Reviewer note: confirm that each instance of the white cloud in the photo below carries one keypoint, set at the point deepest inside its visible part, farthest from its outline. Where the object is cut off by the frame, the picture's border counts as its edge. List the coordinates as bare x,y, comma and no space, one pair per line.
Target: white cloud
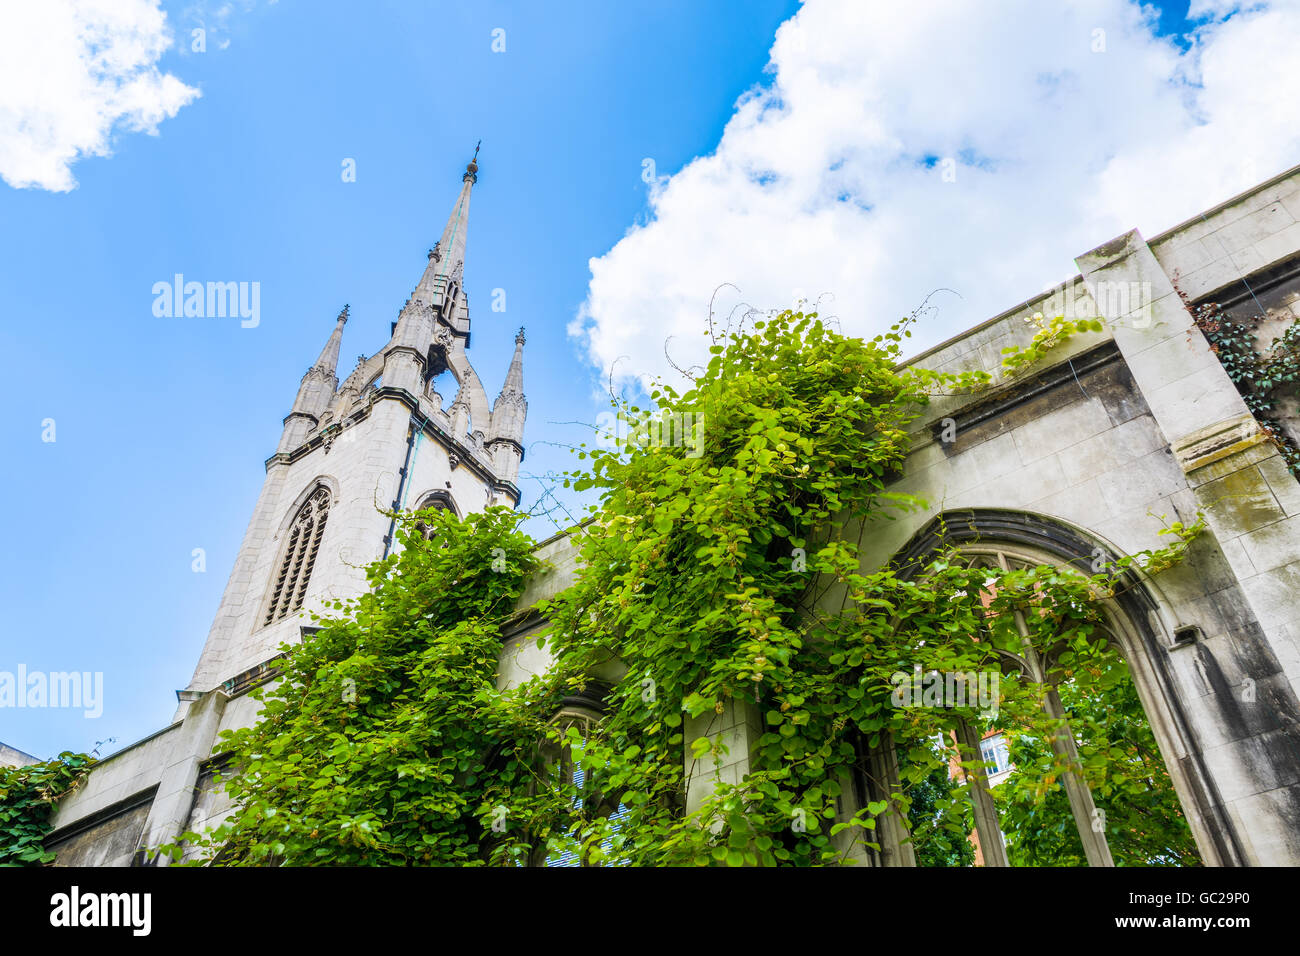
1218,9
829,179
213,19
71,73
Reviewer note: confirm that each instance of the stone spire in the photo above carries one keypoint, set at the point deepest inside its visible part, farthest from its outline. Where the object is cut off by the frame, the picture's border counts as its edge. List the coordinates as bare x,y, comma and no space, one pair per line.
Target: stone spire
438,299
329,356
315,390
508,413
447,257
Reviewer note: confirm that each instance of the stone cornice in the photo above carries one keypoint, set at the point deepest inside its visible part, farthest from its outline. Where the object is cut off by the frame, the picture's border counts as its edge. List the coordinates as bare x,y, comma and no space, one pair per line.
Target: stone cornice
317,439
468,453
992,404
505,441
508,488
1217,442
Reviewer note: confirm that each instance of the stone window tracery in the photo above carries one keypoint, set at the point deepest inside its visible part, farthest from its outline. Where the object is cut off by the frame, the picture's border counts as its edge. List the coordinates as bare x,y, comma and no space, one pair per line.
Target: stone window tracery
289,586
437,502
560,758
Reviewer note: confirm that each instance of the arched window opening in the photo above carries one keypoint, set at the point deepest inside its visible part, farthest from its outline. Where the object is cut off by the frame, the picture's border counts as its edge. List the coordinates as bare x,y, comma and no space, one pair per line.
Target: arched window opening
575,726
444,385
438,501
1083,782
289,586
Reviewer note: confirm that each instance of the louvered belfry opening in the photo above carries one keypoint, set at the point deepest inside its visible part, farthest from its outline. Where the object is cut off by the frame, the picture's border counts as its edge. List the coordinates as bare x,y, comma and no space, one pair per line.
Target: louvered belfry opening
289,587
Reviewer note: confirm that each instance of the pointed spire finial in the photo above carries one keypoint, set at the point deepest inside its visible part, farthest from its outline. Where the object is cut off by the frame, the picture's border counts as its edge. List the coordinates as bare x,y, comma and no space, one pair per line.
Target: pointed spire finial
519,337
437,289
471,171
327,364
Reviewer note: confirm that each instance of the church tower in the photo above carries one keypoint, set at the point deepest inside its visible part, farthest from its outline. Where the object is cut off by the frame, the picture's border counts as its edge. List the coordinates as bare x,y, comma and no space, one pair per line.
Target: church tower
385,438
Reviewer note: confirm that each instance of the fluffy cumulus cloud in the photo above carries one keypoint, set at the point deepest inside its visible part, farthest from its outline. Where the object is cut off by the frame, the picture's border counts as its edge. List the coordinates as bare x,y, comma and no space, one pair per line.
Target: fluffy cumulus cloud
901,148
72,72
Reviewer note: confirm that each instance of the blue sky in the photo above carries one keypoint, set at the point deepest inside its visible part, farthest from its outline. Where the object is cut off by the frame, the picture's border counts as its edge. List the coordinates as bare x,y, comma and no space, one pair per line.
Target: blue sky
163,424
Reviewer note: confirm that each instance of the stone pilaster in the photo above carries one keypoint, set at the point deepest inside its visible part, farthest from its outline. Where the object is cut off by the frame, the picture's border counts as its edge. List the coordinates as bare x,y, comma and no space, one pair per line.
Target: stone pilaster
1252,507
170,812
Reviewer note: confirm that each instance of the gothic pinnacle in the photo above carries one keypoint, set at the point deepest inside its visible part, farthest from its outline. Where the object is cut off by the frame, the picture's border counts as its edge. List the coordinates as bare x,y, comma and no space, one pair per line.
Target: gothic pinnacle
329,356
513,388
511,408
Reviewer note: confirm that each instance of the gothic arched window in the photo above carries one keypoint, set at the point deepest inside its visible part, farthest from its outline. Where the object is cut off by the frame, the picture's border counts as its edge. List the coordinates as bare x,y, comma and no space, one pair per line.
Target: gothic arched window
438,501
582,714
1034,788
289,586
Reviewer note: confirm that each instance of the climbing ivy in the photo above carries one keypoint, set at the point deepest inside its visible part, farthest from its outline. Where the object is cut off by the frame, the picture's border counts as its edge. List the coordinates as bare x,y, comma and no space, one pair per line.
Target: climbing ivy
1263,379
28,798
718,579
731,581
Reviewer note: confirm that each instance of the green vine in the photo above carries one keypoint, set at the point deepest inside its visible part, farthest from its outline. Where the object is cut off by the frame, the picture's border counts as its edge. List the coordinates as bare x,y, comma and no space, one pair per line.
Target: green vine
28,798
1051,334
1263,380
718,584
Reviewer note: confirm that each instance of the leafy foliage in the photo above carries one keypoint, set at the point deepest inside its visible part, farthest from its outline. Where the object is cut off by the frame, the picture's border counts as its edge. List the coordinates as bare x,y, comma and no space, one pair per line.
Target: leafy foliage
728,581
941,821
28,796
712,585
1051,333
385,735
1263,379
1121,764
